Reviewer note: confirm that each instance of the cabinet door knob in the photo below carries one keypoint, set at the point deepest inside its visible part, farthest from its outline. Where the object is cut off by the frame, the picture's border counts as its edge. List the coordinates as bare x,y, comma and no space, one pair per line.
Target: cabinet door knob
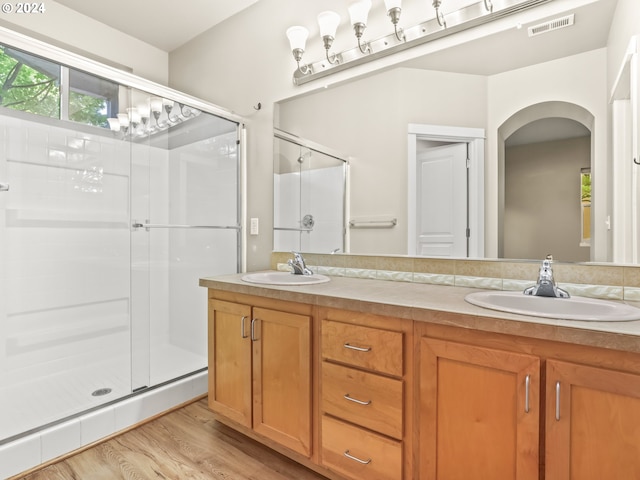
363,462
558,401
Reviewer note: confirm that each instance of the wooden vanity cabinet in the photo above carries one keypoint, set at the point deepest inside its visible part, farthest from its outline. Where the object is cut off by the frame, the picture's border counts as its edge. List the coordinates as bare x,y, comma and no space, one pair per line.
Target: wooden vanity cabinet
592,423
365,395
478,413
260,371
494,405
361,396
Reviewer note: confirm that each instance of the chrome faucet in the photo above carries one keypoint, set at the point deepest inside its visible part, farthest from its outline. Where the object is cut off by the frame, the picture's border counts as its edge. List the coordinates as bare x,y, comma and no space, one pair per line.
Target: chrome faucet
546,285
298,265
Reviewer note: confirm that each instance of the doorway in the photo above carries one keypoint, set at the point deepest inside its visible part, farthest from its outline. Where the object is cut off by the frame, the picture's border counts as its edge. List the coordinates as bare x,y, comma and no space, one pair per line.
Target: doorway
547,206
445,191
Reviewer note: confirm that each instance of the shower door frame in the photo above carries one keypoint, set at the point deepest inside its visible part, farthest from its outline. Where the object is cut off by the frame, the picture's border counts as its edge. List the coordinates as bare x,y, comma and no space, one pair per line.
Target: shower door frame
124,79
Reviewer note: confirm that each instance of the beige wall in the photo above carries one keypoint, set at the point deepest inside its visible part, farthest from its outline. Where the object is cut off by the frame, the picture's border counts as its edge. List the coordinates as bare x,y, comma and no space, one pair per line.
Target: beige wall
367,119
542,200
68,29
580,80
625,24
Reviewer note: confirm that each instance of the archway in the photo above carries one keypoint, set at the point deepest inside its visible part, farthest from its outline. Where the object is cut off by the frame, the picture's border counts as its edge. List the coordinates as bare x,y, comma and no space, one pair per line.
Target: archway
536,114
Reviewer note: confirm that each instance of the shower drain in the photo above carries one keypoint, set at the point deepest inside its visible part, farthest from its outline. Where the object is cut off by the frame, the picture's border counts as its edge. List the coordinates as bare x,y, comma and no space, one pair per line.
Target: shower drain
101,391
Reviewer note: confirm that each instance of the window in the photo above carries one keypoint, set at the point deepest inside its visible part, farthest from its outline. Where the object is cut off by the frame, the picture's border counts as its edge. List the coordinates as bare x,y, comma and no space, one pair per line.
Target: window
91,99
585,206
34,85
29,83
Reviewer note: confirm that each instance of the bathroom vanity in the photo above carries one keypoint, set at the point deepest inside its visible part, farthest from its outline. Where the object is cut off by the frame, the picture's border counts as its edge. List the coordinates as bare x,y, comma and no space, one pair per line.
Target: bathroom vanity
371,379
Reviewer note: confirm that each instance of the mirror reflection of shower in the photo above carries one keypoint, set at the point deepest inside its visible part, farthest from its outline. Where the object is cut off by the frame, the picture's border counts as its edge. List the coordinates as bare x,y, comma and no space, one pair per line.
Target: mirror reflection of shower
309,196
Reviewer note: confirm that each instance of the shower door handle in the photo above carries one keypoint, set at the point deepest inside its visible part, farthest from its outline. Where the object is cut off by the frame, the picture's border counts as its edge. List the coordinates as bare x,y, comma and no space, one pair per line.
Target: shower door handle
4,187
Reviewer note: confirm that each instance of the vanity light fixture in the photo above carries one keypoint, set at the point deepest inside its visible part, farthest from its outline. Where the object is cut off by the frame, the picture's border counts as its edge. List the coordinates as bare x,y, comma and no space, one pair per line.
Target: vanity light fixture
155,104
328,22
144,110
135,122
297,36
168,106
359,13
134,117
473,14
439,14
394,8
114,124
123,119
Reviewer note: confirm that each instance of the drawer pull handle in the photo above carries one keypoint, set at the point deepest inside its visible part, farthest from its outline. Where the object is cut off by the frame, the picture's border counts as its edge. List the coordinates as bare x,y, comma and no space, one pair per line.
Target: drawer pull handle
363,462
359,349
355,400
558,401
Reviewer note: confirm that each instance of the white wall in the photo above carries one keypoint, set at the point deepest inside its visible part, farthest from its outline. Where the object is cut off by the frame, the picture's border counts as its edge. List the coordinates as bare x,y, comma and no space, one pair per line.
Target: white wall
68,29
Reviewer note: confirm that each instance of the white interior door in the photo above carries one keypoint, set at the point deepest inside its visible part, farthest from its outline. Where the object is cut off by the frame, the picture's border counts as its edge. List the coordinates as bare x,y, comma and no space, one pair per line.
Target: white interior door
442,201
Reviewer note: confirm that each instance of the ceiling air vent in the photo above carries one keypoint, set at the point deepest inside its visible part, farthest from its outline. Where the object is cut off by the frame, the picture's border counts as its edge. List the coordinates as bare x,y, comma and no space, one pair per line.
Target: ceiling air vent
545,27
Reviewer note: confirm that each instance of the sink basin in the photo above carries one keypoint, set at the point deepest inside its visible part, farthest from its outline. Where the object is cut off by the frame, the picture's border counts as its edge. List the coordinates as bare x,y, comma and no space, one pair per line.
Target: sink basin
284,278
573,308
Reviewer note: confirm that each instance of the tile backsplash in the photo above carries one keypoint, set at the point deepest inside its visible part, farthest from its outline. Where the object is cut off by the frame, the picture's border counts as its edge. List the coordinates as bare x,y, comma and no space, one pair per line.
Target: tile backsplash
614,282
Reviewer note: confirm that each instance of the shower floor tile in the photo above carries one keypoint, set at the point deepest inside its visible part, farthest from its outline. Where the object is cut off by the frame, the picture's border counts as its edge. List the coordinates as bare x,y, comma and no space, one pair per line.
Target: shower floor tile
39,401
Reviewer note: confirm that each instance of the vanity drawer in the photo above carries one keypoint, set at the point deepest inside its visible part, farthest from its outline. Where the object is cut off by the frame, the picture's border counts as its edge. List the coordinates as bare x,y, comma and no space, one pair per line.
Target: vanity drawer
366,399
370,348
359,454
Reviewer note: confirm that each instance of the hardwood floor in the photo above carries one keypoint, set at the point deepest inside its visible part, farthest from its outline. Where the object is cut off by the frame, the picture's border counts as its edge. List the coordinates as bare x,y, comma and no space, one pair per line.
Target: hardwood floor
185,444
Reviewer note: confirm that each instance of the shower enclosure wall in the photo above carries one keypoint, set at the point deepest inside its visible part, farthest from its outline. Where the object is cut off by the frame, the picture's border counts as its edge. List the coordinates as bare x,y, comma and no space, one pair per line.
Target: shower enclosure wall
104,233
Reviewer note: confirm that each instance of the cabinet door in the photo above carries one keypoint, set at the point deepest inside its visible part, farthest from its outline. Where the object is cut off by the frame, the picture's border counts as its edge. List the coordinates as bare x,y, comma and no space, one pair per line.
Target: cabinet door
479,413
282,378
593,423
230,360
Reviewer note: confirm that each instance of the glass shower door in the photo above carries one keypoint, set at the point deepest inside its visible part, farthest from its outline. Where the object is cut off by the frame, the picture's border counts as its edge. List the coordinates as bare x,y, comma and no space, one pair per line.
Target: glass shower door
185,225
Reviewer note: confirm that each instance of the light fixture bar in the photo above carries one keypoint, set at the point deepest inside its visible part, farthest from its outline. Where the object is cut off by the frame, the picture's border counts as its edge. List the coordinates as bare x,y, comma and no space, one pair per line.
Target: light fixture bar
471,16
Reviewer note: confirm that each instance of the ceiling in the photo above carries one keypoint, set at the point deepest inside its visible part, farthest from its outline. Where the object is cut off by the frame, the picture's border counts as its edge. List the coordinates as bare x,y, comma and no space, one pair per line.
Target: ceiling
165,24
513,48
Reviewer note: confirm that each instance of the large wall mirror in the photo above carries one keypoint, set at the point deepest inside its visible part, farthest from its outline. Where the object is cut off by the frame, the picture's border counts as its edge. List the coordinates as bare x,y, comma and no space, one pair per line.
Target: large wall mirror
544,103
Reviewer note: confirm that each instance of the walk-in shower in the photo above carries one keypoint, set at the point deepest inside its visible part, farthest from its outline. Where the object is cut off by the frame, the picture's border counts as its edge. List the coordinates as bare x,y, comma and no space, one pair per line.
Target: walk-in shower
105,229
